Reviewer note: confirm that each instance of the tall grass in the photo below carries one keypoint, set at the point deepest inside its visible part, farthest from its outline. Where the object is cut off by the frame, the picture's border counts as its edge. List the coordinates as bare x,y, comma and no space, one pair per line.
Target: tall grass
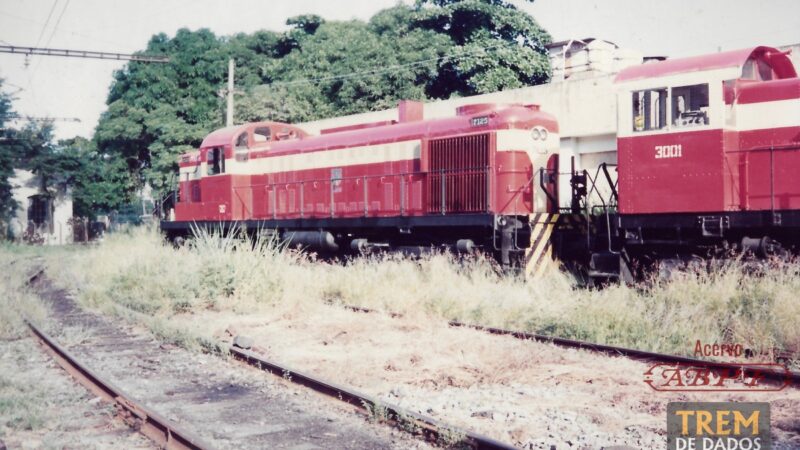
138,273
22,403
17,264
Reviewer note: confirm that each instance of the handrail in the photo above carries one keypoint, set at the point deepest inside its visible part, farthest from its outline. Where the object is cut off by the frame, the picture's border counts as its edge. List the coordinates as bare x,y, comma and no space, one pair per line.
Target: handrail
547,193
766,148
404,178
611,183
466,170
775,217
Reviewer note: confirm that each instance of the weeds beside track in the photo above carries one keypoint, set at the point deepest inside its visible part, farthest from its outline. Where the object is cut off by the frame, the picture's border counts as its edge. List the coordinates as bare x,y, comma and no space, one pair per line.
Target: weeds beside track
140,272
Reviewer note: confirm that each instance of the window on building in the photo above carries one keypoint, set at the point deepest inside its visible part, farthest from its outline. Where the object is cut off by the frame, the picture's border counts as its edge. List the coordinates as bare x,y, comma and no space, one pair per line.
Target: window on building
690,105
216,161
261,134
40,210
649,110
241,141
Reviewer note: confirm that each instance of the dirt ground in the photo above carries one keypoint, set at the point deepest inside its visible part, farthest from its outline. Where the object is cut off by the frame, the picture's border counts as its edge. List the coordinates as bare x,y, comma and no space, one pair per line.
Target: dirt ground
42,407
534,395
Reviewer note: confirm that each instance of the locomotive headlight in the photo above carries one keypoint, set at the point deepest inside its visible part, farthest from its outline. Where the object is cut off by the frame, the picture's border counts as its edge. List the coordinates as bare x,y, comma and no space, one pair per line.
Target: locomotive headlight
539,133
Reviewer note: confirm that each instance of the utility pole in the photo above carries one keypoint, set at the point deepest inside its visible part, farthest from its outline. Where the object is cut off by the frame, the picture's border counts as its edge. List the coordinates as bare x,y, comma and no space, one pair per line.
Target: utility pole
229,118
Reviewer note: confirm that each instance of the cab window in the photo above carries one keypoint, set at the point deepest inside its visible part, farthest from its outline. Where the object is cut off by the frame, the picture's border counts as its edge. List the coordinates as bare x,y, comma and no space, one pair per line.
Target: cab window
756,69
690,105
261,134
649,110
241,141
216,161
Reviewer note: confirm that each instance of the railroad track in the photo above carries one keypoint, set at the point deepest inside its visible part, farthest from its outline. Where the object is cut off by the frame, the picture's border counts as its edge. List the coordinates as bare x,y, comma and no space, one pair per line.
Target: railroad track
167,434
159,429
765,372
432,429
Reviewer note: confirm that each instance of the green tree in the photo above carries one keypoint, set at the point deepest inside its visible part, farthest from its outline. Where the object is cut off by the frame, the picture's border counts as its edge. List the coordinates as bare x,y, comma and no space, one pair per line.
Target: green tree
37,154
496,46
346,68
157,111
7,204
99,183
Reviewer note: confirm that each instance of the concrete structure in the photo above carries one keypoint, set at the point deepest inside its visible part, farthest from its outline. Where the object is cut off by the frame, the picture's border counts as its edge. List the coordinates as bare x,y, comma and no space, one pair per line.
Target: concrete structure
589,57
40,218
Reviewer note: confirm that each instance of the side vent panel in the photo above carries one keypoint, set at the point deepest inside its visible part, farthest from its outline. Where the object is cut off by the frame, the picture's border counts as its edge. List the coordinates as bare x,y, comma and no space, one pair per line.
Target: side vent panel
458,174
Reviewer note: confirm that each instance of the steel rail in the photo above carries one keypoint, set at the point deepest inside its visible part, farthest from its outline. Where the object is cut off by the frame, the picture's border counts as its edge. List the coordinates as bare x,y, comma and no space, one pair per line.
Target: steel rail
151,424
751,369
430,428
786,376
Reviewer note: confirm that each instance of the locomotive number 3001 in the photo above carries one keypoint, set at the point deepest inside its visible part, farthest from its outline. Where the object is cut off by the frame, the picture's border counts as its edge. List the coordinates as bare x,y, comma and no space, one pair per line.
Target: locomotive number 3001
668,151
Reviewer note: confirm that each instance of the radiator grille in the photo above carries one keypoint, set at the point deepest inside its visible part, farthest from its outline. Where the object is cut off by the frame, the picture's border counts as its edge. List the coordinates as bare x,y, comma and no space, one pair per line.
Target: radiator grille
457,174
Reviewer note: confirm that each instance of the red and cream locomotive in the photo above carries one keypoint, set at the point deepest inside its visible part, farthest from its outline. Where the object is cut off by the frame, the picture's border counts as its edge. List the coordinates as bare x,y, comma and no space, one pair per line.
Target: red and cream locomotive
708,151
465,182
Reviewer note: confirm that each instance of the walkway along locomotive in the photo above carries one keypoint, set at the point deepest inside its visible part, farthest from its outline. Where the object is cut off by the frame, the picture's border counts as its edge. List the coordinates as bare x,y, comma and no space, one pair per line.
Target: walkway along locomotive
707,161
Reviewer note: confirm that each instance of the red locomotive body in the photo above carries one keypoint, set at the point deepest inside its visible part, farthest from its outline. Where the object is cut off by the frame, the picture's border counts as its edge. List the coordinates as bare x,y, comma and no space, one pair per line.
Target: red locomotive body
386,183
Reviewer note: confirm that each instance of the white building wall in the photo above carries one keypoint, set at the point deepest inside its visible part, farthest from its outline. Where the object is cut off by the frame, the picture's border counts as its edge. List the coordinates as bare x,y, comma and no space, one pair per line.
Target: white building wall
24,185
62,226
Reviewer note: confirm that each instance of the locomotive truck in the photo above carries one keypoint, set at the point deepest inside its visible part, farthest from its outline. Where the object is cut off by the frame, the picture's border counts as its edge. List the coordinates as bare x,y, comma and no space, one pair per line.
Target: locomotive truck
707,159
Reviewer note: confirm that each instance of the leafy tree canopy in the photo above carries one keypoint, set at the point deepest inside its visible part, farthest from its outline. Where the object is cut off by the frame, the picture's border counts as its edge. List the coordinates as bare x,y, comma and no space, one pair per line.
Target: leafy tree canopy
432,49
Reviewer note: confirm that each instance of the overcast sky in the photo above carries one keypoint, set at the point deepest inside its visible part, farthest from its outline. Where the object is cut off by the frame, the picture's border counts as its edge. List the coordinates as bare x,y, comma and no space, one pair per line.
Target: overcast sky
77,87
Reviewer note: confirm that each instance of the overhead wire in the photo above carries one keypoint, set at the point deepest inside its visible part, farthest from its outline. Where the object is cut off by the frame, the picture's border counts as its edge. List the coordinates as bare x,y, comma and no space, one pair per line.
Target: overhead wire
58,22
44,27
41,34
63,30
53,33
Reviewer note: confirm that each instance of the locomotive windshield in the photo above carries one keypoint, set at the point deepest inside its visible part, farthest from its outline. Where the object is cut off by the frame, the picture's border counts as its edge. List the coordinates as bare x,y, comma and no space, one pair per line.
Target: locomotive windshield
216,161
241,141
261,134
690,105
649,110
756,69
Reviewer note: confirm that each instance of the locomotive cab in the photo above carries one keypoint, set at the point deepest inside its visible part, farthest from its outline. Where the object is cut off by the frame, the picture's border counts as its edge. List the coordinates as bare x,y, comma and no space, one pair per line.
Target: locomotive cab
681,123
708,150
